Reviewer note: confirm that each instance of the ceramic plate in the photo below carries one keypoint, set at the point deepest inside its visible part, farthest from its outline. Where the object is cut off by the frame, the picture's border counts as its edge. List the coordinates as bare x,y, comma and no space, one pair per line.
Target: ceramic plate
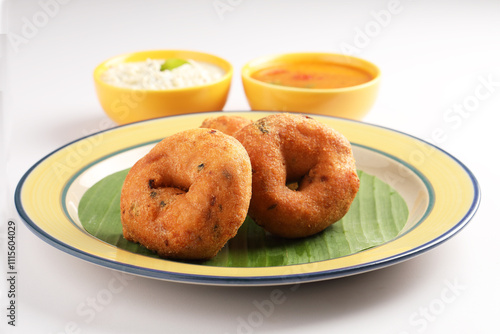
441,193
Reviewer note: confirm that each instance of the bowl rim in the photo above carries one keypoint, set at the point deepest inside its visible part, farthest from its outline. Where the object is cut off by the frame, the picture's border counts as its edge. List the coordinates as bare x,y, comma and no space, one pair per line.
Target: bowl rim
99,69
245,72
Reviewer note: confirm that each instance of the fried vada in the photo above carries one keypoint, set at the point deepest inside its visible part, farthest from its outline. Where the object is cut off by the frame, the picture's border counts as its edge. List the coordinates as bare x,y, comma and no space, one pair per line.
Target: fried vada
188,196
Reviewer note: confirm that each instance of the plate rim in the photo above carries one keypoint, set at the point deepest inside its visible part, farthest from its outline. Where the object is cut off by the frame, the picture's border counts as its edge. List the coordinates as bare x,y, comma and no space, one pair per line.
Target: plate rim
251,280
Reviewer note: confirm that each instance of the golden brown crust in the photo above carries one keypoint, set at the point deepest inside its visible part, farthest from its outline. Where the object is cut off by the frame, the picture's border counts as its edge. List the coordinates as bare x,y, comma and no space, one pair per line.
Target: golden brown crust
188,196
226,124
287,148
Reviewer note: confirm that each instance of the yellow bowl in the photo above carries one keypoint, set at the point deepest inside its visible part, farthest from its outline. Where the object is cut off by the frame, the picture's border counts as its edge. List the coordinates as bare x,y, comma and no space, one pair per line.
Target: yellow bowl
124,105
350,102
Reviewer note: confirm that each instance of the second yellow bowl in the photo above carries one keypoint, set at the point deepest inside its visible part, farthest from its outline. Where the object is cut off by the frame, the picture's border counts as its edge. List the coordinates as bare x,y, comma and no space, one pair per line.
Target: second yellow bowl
350,102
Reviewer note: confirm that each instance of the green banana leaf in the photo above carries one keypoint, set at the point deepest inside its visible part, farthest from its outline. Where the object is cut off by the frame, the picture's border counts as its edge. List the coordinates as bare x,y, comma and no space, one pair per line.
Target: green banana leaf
377,215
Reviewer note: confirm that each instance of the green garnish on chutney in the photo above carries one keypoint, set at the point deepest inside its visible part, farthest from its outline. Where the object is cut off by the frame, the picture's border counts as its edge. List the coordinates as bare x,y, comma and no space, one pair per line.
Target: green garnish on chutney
172,63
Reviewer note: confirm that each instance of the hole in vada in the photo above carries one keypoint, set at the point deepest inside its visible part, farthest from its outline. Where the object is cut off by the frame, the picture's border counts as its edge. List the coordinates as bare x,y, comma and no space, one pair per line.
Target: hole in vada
294,185
298,167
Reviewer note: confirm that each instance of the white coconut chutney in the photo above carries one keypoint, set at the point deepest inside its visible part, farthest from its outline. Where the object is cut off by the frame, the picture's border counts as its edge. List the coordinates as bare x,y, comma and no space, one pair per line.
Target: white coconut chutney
148,75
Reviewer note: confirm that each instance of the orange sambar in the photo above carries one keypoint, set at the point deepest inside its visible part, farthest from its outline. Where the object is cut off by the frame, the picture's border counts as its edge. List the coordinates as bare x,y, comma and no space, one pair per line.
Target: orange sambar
321,75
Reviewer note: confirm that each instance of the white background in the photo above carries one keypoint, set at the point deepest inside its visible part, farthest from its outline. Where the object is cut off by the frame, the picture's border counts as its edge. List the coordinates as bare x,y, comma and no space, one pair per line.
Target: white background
435,58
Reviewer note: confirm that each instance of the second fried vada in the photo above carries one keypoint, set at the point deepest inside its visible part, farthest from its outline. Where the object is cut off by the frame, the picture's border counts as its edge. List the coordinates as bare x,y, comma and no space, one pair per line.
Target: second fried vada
295,149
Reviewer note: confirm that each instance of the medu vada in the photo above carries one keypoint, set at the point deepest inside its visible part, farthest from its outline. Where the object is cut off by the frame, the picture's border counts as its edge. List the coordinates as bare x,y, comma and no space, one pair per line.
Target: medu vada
188,196
226,124
295,149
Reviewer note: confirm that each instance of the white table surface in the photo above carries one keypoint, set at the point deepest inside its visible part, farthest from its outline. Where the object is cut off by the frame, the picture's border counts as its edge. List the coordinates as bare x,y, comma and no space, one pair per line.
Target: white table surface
435,56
